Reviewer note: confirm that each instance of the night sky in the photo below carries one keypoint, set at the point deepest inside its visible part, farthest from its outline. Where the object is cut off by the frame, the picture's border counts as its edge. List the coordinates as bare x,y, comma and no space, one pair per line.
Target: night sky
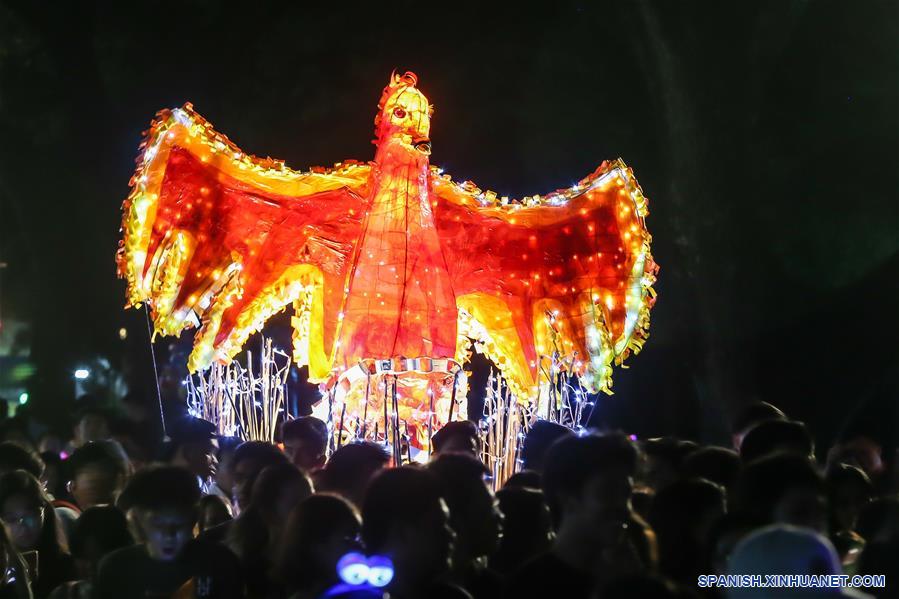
765,135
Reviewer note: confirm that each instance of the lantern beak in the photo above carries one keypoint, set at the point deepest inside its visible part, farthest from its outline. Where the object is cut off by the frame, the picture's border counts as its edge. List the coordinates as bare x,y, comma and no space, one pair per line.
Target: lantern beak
422,144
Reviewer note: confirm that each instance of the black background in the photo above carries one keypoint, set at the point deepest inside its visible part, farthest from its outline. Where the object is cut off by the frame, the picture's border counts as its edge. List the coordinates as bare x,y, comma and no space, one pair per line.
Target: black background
765,134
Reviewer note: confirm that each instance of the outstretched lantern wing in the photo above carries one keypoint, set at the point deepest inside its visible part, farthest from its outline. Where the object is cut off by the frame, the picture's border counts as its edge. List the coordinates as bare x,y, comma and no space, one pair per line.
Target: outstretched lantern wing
215,236
569,274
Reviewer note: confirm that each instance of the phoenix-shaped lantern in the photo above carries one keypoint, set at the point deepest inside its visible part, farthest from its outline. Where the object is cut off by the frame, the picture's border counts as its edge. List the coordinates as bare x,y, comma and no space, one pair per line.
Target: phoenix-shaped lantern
392,268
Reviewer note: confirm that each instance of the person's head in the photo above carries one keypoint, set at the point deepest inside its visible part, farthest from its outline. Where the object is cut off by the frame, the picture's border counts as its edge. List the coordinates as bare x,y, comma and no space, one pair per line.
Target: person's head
783,488
98,472
751,415
588,480
91,424
212,511
320,530
777,436
27,512
249,459
474,511
664,457
527,528
524,479
537,442
405,517
195,446
350,469
682,514
784,550
848,490
305,442
717,464
277,490
163,502
224,472
50,441
460,436
861,451
98,531
18,457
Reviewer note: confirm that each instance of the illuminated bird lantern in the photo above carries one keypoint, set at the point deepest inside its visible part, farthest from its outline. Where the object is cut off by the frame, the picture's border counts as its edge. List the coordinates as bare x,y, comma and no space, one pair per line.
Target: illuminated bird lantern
391,267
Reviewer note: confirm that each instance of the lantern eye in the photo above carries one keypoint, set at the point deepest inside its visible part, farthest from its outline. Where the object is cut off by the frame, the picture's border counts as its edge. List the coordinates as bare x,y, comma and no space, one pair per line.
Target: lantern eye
399,113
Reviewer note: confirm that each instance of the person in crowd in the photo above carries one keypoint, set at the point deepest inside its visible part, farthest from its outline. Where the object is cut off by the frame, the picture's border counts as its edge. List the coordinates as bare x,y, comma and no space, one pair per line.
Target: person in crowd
773,436
459,436
350,469
223,479
859,450
475,518
35,531
213,510
98,531
662,461
15,430
783,488
537,442
527,528
719,465
254,535
786,550
319,532
194,446
750,415
305,442
98,472
249,459
14,581
405,519
848,491
682,515
14,456
55,478
588,482
92,423
162,502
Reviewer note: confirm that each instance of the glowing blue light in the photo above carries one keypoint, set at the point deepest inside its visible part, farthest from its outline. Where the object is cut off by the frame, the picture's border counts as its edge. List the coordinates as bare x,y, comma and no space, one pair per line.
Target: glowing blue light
82,373
355,570
23,399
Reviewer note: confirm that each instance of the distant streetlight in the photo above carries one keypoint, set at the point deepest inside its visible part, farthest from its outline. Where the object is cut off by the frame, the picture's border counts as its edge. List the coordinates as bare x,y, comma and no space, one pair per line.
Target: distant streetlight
23,399
82,374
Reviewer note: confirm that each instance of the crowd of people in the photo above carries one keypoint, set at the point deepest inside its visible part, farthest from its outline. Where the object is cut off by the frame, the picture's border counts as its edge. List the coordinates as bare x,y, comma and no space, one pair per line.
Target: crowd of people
105,513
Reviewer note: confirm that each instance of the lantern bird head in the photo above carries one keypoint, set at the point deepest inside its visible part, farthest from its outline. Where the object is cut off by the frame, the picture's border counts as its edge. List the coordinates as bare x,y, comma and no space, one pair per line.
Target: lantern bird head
404,115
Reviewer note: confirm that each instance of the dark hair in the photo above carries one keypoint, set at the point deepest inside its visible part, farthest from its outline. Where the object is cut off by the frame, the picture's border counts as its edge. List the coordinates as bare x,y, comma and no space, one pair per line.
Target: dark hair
524,479
106,525
350,463
776,435
308,427
717,464
457,473
572,461
12,564
52,542
526,528
457,428
754,413
15,457
161,487
311,523
397,497
105,454
260,451
249,536
537,442
764,482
